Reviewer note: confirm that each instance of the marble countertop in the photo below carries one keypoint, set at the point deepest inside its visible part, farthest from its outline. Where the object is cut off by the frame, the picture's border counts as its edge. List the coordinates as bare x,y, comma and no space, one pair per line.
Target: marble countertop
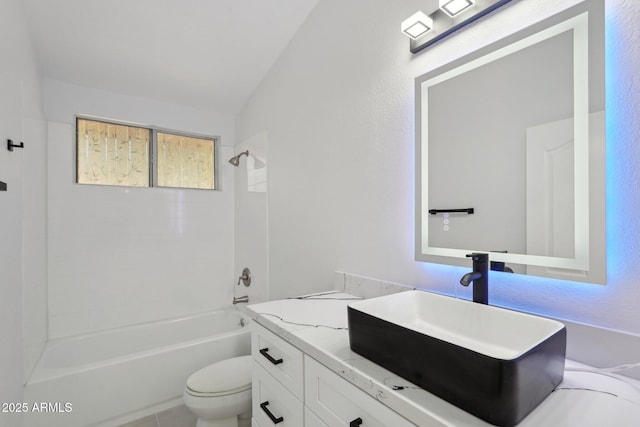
317,325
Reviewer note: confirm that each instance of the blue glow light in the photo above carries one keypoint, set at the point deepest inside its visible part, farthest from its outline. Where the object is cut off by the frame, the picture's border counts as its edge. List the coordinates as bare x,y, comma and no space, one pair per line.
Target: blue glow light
619,123
622,176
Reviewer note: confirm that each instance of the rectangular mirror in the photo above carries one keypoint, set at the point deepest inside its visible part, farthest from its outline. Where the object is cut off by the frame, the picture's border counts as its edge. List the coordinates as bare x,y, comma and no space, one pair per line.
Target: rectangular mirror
510,144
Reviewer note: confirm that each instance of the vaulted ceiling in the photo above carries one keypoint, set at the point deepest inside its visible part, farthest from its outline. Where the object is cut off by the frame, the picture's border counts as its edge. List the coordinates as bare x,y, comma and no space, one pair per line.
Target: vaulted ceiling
207,54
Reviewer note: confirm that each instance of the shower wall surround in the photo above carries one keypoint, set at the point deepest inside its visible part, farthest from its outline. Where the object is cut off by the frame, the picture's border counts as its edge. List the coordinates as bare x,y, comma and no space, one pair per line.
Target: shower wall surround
250,205
123,255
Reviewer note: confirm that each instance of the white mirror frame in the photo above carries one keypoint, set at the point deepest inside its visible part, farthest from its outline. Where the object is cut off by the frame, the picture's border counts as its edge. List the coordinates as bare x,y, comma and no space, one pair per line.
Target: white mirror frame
575,19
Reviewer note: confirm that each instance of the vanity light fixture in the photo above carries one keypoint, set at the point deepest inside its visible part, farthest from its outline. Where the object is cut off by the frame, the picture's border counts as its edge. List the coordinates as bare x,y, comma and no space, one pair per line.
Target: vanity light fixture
454,7
425,30
416,25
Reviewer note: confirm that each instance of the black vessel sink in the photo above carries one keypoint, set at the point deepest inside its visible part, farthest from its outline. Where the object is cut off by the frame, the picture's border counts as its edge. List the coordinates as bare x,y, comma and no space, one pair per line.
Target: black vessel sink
494,363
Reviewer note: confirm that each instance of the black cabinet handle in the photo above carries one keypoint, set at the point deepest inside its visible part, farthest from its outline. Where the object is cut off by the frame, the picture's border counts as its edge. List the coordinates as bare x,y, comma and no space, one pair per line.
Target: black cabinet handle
356,423
272,417
264,352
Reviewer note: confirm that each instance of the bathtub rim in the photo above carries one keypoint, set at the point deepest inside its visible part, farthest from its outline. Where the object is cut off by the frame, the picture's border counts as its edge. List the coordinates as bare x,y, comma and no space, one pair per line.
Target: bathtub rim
59,373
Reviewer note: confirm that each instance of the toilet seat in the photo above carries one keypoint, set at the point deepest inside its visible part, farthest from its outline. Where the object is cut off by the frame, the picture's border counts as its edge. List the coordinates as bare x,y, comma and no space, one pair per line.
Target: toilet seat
223,378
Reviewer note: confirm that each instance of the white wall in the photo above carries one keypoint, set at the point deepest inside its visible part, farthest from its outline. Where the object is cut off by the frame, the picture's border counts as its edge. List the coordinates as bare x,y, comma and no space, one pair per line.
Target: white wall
338,106
21,263
121,255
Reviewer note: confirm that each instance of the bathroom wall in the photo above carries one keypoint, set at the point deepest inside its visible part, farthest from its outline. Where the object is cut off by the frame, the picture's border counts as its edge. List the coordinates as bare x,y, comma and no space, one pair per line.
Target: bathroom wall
120,255
21,277
339,109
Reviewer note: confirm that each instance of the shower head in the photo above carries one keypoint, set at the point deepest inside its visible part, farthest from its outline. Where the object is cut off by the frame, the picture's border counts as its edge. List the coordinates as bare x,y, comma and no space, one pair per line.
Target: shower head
235,160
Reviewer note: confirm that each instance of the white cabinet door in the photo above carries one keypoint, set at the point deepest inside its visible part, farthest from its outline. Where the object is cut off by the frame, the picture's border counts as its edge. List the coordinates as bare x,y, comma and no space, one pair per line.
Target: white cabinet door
311,419
272,404
279,358
339,403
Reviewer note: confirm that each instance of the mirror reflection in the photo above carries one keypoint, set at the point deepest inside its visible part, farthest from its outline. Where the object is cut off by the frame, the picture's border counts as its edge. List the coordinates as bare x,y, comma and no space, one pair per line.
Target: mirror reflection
515,132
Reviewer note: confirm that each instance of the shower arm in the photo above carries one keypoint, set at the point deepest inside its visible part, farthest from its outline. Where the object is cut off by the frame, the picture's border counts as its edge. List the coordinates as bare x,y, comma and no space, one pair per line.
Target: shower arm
235,160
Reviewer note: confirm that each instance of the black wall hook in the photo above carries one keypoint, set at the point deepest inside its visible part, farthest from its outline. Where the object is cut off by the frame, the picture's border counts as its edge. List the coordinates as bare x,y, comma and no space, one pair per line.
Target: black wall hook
11,145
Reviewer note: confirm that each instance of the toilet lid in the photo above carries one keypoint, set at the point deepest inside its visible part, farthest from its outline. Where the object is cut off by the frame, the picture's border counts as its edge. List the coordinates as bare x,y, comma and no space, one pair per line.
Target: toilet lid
224,377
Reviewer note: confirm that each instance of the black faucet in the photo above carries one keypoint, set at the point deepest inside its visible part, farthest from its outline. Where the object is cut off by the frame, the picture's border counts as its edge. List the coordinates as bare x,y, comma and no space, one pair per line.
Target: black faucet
479,276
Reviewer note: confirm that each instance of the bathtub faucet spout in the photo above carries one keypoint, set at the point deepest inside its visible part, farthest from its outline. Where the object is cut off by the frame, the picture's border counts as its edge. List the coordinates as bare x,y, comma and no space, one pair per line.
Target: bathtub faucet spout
240,299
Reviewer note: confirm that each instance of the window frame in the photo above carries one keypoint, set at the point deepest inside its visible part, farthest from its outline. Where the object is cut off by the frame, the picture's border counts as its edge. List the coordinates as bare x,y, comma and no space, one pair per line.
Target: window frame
153,152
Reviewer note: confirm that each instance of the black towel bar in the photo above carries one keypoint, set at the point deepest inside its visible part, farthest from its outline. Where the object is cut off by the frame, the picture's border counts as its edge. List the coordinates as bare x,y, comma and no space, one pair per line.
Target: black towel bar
465,210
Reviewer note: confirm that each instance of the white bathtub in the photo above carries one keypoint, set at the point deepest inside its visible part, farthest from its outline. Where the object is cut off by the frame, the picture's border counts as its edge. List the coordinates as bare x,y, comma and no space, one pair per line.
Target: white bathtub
92,378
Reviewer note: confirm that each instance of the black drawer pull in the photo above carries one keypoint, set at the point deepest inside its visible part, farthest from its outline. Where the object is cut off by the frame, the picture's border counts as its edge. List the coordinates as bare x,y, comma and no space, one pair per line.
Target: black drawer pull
264,352
356,423
273,419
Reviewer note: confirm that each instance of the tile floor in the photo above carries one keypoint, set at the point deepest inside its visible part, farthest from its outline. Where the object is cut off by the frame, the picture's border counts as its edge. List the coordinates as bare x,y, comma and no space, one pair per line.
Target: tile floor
179,416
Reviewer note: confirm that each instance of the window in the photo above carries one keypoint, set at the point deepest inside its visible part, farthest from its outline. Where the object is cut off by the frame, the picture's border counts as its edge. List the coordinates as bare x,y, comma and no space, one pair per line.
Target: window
119,154
185,162
112,154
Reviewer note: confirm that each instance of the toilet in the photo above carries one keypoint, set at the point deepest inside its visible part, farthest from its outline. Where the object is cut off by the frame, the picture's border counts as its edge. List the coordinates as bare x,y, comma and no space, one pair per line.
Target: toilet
220,394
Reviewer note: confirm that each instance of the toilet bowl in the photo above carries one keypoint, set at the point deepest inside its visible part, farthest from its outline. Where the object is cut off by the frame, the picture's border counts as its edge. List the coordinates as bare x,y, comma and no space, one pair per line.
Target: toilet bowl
220,394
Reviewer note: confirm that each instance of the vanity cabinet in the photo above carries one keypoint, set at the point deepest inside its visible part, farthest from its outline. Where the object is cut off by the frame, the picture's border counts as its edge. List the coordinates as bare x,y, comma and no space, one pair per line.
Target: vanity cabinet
293,389
339,403
311,419
279,358
272,403
277,381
